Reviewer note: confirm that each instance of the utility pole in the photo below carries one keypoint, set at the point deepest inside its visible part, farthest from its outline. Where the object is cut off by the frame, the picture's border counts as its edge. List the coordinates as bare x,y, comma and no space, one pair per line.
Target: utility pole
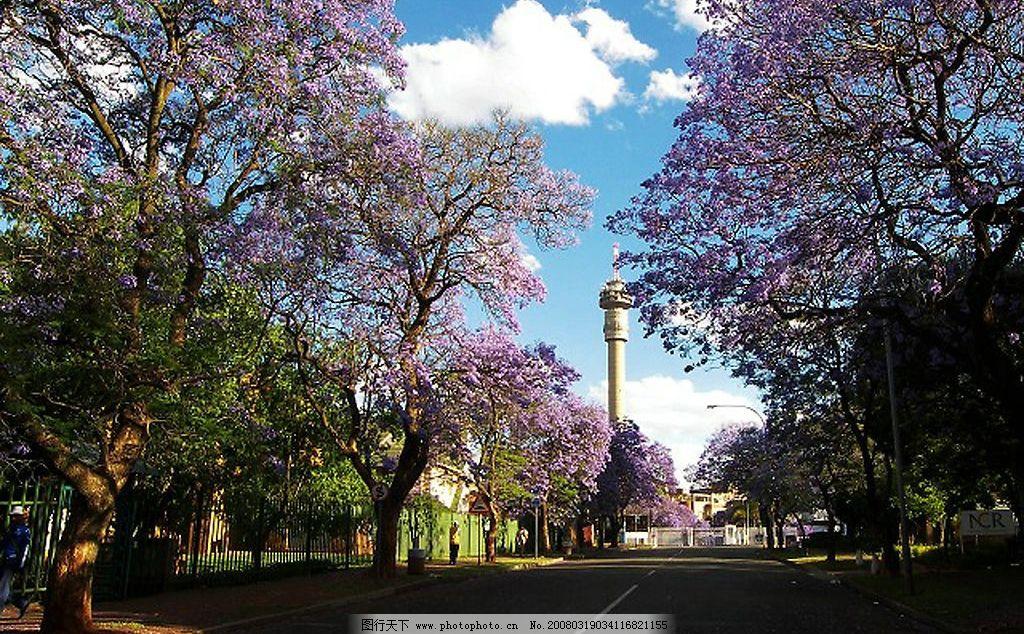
898,458
536,526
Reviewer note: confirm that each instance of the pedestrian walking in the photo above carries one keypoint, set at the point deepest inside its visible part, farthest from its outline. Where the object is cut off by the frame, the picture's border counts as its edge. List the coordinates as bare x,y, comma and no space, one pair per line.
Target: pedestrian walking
453,543
522,535
14,550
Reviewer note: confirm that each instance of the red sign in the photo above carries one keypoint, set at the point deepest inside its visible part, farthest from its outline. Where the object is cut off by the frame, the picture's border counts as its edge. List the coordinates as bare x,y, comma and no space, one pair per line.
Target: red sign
477,506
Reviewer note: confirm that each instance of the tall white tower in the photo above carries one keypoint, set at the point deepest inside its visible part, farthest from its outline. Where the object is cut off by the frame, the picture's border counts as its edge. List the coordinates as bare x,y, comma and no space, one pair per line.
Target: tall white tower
616,302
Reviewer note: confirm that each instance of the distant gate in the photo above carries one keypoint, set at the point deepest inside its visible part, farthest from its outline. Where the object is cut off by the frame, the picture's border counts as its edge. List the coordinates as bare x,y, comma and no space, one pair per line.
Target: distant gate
707,536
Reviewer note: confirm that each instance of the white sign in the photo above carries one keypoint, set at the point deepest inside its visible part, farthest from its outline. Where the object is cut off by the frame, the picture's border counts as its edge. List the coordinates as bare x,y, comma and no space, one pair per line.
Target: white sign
994,522
379,492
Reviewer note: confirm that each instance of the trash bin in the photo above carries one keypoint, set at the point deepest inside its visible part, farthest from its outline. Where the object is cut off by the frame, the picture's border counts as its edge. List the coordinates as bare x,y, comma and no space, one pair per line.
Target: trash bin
417,561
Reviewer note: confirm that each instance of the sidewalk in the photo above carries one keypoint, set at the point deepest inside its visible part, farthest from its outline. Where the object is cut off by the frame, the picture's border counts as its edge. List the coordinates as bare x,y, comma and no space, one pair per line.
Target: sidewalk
202,610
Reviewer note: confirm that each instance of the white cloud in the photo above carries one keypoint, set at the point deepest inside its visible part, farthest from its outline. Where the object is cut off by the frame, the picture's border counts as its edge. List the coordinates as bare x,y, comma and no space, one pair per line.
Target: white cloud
666,85
612,38
537,65
674,412
685,13
531,262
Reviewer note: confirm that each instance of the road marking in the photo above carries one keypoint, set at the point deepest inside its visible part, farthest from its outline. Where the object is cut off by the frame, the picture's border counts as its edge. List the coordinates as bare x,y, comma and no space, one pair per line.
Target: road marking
634,587
617,601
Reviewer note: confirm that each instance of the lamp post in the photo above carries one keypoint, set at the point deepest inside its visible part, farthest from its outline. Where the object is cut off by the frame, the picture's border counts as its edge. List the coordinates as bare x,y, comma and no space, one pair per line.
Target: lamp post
764,425
908,570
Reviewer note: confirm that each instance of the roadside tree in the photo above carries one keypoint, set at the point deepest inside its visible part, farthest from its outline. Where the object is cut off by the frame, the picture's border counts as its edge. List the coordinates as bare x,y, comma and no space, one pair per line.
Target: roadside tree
376,308
835,161
638,473
135,138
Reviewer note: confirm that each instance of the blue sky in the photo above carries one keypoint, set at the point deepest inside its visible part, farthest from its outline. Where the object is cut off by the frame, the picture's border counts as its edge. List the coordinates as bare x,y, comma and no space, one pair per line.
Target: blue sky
603,82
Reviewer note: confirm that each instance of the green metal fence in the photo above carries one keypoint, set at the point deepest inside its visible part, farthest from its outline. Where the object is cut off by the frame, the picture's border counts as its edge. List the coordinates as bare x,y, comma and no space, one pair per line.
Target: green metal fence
209,537
433,529
28,484
221,542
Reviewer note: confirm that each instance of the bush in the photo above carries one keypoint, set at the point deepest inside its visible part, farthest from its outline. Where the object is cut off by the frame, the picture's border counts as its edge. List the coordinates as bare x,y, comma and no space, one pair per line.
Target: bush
986,554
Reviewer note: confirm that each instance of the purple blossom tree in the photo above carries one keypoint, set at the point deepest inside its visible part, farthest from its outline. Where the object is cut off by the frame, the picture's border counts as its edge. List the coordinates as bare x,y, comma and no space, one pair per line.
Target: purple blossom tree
672,513
518,431
135,138
376,320
846,162
638,473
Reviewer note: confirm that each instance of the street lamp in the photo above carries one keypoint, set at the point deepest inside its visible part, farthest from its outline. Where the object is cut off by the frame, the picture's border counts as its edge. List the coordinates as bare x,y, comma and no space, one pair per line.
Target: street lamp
746,407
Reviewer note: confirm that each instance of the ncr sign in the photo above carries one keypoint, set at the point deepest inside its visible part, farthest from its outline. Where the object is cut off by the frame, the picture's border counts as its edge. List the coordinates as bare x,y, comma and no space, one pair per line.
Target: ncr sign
994,522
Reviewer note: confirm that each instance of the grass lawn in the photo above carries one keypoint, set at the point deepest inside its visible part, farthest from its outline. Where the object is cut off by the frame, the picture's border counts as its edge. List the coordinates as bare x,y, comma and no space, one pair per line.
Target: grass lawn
843,562
974,600
468,567
977,599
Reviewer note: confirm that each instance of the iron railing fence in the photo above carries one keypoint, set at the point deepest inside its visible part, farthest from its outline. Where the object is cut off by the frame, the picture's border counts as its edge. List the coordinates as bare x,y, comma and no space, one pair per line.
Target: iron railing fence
223,541
213,537
30,485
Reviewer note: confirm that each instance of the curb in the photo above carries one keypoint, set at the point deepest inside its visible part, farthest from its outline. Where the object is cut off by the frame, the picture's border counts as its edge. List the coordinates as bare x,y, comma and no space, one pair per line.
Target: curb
894,605
366,596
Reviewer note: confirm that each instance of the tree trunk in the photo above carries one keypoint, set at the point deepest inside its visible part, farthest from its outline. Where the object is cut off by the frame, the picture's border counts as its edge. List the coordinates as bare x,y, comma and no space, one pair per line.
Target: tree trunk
1016,495
878,521
411,463
545,534
385,547
574,535
768,523
615,525
577,533
69,598
492,537
890,527
831,555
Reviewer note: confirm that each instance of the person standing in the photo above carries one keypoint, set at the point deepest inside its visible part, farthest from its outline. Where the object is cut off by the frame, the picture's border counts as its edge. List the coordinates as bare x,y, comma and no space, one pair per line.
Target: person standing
522,535
453,543
14,550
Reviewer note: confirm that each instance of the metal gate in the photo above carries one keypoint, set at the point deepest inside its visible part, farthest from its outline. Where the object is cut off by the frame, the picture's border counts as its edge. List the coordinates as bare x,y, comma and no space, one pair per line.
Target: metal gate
708,536
28,484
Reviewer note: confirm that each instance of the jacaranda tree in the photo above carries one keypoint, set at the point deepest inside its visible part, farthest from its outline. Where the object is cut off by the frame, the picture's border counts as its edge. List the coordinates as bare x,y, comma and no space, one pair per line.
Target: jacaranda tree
135,137
518,431
378,310
638,473
838,158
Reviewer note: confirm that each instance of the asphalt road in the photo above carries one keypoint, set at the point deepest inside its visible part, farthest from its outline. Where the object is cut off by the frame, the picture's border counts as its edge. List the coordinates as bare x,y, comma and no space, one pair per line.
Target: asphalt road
720,590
